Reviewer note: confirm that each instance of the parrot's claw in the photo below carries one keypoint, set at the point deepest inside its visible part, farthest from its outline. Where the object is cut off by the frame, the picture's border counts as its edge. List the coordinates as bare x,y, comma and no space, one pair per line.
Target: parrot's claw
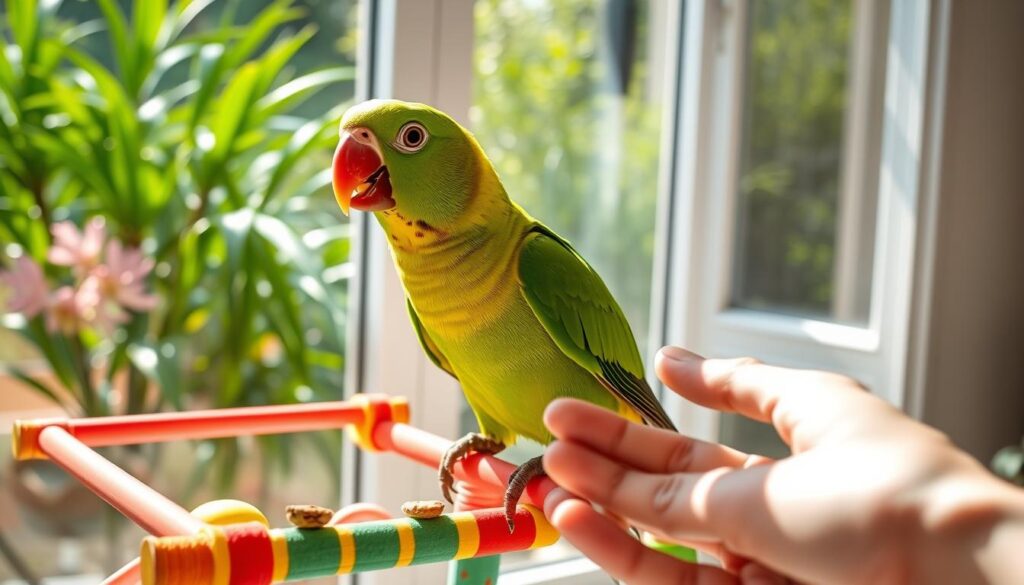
471,443
517,483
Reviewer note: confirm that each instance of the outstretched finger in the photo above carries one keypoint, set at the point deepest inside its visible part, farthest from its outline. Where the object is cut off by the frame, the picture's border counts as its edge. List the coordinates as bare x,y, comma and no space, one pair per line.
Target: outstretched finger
803,405
645,448
622,556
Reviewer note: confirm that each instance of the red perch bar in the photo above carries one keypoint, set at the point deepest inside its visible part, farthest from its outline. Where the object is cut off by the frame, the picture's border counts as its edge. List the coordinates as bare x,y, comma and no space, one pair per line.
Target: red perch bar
205,424
145,506
428,449
376,422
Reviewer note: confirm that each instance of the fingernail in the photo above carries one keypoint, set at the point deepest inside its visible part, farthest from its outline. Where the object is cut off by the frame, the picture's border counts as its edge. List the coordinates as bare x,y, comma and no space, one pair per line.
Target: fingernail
678,354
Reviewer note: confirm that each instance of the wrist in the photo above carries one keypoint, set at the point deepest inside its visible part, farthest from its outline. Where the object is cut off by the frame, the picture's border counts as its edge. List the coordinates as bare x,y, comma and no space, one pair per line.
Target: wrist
971,529
999,557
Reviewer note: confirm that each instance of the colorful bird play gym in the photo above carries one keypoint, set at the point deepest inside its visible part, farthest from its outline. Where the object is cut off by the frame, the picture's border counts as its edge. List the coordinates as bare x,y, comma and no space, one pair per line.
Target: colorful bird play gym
230,543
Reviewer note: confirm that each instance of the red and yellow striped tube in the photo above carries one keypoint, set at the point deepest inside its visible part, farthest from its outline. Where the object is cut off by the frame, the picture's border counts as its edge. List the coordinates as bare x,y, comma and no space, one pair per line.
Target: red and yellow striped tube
363,412
377,408
250,554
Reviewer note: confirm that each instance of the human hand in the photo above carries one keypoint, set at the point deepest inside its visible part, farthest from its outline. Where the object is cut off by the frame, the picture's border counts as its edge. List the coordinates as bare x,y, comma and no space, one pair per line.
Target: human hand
868,495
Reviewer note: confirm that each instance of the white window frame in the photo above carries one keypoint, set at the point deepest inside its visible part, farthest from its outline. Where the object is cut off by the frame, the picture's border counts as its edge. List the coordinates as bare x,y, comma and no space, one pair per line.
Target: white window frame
699,316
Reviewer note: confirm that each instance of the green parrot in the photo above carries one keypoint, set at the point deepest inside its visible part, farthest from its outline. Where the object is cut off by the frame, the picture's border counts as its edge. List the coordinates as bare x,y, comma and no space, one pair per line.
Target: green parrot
498,300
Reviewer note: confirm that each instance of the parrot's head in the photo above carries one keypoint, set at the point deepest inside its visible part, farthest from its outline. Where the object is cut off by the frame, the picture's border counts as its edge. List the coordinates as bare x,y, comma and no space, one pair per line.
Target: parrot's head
405,157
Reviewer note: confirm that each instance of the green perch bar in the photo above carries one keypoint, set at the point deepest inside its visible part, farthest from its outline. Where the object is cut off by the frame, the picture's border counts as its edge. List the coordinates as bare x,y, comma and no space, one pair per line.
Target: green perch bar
250,553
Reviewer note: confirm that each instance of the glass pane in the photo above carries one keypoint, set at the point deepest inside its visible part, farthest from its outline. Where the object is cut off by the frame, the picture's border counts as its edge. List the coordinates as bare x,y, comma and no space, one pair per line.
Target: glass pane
789,256
568,106
200,166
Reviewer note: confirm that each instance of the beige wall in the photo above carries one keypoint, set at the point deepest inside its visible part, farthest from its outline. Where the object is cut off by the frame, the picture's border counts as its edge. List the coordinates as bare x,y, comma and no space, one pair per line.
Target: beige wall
974,365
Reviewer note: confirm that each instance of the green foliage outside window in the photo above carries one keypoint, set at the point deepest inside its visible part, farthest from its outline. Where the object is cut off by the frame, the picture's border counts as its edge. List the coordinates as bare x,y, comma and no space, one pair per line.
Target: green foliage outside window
572,147
795,102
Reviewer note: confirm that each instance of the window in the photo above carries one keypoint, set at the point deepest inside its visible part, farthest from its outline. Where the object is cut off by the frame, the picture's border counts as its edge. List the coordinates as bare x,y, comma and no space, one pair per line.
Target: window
797,96
792,238
738,192
805,202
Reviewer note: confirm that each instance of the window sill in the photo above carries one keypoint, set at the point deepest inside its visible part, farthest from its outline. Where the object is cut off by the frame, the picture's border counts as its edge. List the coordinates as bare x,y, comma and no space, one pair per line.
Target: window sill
575,571
823,332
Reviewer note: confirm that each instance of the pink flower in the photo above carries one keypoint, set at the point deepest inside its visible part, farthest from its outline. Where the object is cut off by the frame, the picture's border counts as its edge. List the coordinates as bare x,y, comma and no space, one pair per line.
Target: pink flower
66,311
80,251
28,287
122,278
98,309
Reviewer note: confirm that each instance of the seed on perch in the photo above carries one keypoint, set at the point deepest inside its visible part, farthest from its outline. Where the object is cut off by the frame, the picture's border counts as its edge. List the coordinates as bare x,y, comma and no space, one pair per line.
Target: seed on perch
308,516
423,509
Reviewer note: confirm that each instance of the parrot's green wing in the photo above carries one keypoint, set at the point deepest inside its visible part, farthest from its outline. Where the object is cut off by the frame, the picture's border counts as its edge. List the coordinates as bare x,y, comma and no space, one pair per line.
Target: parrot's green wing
581,316
428,344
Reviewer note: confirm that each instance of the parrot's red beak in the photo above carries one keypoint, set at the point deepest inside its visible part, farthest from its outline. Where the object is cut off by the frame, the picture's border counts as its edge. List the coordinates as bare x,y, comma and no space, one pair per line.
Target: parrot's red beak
361,180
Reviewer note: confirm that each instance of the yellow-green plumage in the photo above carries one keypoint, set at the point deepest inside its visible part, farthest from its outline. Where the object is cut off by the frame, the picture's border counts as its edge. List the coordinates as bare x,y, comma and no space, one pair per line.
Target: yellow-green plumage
497,299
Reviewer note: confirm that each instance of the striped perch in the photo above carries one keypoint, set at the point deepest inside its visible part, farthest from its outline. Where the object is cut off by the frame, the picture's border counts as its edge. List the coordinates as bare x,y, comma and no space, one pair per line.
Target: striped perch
250,554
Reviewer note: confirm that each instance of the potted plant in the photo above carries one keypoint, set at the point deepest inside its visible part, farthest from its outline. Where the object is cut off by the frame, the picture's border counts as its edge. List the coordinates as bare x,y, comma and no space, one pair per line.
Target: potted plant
152,257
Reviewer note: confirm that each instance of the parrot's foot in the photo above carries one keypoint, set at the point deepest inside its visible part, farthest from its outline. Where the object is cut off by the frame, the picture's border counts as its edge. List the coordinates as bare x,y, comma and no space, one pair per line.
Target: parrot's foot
471,443
517,485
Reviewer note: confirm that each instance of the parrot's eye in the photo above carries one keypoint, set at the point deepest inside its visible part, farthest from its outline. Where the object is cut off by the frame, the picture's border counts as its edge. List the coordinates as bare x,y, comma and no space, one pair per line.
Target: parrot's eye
411,137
